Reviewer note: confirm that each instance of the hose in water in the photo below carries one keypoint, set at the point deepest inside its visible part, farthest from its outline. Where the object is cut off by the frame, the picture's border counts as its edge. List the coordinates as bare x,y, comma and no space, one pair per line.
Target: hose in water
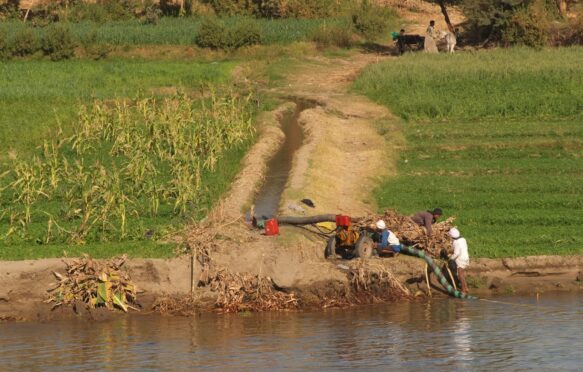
448,287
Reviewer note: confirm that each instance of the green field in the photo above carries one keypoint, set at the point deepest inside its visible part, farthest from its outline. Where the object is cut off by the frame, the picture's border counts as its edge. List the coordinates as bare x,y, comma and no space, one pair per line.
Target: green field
493,138
56,190
37,95
181,31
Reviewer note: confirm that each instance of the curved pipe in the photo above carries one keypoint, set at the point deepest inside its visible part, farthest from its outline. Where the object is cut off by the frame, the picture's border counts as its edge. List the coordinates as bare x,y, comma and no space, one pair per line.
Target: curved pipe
421,254
308,220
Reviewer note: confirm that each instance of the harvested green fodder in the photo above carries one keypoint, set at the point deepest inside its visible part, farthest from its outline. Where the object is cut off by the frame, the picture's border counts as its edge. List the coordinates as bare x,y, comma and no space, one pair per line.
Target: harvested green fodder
94,283
410,233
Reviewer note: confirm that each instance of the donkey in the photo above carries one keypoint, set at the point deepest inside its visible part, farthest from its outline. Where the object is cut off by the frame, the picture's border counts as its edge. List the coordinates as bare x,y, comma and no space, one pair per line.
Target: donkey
450,39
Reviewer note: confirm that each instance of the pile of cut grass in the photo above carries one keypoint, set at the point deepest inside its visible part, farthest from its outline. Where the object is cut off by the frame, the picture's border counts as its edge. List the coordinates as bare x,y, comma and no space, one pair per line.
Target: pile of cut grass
513,180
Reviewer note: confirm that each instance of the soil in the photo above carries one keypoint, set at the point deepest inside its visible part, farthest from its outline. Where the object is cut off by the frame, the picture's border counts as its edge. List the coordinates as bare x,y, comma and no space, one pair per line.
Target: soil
339,164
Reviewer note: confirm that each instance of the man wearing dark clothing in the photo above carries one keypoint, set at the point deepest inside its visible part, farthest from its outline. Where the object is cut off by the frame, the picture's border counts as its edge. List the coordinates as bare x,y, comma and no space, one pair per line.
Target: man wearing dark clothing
426,219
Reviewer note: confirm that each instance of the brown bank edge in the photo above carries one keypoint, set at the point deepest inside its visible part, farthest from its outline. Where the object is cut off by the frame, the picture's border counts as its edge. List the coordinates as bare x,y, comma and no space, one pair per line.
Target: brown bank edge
23,284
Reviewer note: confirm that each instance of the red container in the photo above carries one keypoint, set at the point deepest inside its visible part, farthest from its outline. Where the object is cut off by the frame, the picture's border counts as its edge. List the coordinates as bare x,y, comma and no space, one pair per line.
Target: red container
271,227
342,220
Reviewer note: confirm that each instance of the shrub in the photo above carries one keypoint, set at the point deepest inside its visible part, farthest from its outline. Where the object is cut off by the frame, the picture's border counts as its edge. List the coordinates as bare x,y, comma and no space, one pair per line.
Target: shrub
233,7
93,49
525,28
5,52
310,8
212,33
25,42
371,21
333,35
244,33
525,22
58,42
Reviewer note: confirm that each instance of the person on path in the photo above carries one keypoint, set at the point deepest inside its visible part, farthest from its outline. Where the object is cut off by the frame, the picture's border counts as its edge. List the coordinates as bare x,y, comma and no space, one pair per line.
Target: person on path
460,256
426,219
431,29
385,240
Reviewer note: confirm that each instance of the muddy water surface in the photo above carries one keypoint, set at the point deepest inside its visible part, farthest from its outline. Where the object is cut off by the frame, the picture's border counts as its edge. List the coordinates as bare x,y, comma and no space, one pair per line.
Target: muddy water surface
443,334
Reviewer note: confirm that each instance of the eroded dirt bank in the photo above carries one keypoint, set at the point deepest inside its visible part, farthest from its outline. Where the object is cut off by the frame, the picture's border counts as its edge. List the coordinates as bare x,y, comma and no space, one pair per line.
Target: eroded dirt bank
24,284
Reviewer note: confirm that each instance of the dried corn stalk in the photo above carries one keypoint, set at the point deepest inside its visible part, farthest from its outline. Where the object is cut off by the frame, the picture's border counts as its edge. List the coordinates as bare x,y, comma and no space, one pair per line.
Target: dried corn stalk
412,234
95,284
369,278
246,292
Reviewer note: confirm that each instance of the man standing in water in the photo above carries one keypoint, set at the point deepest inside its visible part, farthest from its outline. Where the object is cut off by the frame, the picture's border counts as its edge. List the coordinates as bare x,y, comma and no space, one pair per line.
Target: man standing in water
426,219
460,256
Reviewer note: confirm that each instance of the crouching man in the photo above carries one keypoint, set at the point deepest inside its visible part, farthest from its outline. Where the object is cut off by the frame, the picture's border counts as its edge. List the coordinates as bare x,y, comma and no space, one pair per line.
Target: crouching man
460,256
386,242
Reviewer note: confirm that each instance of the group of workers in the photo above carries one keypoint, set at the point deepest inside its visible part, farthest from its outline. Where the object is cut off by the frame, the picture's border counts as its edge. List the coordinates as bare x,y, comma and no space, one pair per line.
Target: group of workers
387,242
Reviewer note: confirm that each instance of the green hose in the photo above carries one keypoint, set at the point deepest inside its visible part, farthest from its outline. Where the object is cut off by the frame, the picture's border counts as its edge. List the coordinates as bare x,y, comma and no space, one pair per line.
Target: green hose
437,271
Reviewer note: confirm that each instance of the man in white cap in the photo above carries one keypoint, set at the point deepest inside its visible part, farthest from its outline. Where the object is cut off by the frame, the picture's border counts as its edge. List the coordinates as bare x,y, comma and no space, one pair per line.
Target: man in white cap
385,240
460,256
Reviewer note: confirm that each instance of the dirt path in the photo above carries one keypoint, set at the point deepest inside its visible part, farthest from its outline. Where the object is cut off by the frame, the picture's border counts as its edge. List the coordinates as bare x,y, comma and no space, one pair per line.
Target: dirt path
337,167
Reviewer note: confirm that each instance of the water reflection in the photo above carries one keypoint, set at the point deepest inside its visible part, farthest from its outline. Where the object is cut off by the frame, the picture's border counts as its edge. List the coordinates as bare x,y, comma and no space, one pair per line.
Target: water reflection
444,334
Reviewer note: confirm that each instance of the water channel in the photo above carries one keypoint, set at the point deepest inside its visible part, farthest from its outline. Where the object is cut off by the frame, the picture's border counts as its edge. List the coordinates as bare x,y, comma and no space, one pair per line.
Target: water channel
522,333
278,167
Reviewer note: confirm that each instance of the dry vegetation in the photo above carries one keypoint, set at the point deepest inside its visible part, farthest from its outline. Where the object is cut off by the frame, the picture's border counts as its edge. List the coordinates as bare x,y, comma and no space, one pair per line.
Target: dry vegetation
94,284
414,235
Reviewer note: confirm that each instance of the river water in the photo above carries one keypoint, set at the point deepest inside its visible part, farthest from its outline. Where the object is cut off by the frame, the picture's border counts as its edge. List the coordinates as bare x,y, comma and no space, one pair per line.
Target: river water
519,334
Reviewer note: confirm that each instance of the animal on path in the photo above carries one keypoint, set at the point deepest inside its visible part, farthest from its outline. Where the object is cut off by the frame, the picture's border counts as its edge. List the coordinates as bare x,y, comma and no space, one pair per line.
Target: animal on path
450,39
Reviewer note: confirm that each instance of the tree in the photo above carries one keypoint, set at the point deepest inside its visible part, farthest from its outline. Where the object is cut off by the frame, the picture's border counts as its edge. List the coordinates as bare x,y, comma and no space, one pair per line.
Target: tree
443,6
562,5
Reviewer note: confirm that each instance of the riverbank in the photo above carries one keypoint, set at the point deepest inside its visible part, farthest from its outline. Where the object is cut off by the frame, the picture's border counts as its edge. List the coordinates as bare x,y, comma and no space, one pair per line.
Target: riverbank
24,284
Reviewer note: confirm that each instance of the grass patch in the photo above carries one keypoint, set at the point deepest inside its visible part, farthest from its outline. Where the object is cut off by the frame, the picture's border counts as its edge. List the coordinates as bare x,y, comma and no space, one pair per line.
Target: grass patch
485,154
499,84
142,249
181,31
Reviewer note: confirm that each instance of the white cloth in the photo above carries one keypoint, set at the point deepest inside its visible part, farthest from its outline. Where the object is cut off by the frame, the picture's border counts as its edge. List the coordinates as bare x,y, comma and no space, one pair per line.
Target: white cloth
393,240
460,253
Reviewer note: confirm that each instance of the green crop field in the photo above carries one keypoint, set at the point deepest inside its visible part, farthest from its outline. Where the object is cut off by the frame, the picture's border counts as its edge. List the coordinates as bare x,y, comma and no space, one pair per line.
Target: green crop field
143,158
180,31
37,95
493,138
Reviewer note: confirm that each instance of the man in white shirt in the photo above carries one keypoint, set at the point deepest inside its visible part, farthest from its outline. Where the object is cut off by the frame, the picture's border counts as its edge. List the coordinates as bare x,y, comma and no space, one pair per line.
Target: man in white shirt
460,256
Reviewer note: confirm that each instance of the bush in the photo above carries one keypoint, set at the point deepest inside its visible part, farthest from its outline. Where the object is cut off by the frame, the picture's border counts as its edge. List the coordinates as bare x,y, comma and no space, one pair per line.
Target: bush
214,34
525,28
233,7
5,52
244,33
523,22
58,42
371,21
333,35
25,42
93,49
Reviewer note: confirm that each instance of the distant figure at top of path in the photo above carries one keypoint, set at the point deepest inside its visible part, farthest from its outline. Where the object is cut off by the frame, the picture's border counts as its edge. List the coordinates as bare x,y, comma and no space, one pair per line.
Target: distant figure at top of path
427,218
431,29
429,45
